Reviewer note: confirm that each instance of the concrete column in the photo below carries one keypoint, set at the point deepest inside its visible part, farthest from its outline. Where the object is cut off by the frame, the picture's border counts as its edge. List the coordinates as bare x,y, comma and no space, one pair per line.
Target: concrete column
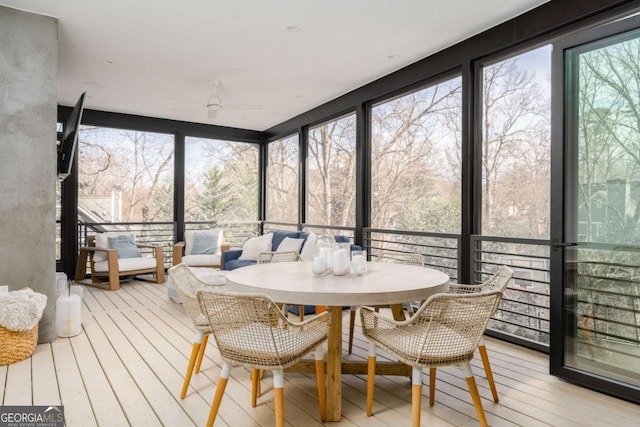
28,105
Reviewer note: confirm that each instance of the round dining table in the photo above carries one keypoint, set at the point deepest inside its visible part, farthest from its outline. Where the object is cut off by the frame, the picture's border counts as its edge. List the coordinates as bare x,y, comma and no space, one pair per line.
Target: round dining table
383,284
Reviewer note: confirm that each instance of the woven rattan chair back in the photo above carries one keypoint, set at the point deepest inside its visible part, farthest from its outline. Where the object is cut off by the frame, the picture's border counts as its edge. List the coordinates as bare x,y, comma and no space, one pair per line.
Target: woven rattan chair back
267,257
401,258
445,330
250,330
187,284
498,282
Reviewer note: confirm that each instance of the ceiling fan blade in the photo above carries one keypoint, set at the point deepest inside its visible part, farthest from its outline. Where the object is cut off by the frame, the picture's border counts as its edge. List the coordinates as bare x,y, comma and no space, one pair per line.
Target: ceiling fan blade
243,106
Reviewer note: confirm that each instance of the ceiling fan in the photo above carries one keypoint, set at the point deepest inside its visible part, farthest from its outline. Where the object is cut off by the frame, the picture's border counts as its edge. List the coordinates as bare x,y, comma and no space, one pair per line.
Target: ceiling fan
214,103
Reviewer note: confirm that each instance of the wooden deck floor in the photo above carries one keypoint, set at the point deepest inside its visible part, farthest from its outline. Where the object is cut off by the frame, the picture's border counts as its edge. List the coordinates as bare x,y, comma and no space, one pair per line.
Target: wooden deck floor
127,365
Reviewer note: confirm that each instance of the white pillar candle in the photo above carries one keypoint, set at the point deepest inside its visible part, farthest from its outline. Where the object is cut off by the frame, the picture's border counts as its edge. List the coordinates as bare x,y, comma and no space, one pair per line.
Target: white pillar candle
339,262
4,289
68,315
319,264
326,254
358,264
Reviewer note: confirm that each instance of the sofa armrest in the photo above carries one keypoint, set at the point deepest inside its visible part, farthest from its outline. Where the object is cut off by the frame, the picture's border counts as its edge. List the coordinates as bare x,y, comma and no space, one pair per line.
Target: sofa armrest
229,255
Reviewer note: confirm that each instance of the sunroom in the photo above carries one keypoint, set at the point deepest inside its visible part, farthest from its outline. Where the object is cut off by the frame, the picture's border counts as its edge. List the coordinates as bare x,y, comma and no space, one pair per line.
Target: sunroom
517,146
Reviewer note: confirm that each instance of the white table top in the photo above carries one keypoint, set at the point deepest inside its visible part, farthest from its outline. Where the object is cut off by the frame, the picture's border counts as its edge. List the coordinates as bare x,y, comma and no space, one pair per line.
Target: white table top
295,283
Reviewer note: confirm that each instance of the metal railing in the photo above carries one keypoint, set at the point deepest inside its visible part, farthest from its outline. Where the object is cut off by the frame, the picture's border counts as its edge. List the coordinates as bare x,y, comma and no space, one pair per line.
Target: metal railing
604,297
440,251
235,232
523,314
163,233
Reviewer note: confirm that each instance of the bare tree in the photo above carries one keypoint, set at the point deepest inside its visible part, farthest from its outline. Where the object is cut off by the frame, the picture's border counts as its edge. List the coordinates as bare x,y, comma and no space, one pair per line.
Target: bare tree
282,180
331,173
140,163
515,123
410,162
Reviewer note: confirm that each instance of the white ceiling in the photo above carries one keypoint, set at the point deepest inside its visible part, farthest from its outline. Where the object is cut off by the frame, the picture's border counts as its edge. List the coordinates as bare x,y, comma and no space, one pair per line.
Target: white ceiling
159,58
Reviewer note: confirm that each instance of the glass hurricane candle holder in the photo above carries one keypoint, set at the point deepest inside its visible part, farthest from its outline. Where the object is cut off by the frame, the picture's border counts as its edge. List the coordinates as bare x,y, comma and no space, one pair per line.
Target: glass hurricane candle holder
340,259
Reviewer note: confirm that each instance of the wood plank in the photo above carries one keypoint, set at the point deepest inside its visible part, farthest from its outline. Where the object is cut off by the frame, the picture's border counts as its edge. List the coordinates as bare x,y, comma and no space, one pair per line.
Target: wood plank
77,408
99,392
43,376
132,401
89,302
140,334
3,380
18,383
161,401
156,349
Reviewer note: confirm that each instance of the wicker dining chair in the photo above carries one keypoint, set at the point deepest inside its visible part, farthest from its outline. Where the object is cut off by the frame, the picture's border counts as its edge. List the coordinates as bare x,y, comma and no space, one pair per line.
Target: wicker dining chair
444,331
186,284
411,258
498,281
289,256
251,331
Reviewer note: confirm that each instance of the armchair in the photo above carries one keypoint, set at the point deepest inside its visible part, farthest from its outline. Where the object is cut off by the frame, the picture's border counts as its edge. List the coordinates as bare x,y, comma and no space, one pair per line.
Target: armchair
200,248
251,331
114,255
444,331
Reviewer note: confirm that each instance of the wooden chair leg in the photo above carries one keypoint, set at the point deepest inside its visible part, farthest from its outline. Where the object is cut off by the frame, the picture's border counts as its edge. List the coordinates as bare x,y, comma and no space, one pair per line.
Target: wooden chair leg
487,369
301,312
81,266
416,395
432,386
352,323
475,396
192,360
255,383
222,384
203,346
371,378
278,394
322,396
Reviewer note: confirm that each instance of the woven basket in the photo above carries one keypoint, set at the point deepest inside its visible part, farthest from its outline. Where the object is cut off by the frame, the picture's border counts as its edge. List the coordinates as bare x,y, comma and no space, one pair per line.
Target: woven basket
17,345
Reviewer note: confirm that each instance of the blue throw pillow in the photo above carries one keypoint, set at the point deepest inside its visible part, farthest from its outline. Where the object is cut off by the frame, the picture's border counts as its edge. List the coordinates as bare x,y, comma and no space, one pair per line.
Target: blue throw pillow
341,239
125,246
204,243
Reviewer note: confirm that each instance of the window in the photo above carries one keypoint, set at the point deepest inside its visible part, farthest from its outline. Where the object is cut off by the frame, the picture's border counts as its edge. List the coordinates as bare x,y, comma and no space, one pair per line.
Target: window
331,164
125,175
221,180
415,160
282,180
516,145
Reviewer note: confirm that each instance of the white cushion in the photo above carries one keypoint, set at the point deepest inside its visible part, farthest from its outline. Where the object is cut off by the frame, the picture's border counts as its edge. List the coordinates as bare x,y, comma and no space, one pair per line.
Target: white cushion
201,260
102,241
256,245
211,276
290,245
189,234
309,248
128,264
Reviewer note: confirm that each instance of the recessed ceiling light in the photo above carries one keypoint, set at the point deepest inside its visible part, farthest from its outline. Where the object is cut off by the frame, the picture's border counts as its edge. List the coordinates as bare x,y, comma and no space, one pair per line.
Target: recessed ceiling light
293,28
393,57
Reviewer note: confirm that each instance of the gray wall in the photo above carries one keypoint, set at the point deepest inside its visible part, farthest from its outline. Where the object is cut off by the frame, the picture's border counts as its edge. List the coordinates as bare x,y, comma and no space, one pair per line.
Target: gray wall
28,105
